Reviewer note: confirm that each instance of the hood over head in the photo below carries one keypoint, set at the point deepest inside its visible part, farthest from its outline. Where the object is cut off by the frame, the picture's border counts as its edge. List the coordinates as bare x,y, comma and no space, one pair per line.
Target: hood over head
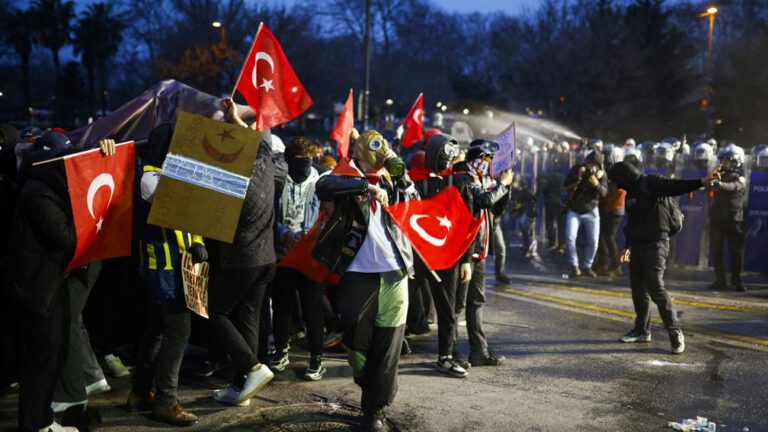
624,174
440,151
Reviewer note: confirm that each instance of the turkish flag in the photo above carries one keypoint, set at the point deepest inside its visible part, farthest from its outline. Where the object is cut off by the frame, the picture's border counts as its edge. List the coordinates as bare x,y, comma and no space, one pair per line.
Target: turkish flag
343,128
414,123
101,191
441,228
269,84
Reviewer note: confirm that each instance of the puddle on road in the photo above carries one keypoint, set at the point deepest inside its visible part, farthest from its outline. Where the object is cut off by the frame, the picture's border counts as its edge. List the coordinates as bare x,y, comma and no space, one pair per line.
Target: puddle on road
666,363
325,415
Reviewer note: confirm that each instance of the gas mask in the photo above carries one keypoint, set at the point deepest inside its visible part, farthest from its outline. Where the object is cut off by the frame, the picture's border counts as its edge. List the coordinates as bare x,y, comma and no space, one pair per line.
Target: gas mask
374,150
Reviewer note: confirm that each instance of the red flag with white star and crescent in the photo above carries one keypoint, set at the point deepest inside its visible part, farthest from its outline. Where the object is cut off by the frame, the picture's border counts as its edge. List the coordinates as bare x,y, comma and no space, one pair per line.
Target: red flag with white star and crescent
101,192
269,84
414,123
440,229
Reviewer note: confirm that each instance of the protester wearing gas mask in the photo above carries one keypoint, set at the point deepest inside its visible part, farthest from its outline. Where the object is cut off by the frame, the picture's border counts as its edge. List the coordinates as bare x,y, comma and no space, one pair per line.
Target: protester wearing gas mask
586,183
361,243
440,152
486,193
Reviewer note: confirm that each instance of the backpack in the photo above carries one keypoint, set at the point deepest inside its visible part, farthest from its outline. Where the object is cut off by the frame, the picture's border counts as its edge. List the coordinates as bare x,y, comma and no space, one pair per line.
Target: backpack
668,209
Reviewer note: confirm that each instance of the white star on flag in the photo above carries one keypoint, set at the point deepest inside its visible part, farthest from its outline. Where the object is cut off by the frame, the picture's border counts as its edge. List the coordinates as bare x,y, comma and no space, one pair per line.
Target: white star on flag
444,221
98,225
266,85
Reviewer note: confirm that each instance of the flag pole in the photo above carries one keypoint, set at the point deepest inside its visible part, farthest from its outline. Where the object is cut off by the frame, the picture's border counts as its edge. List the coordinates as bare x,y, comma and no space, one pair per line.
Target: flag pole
250,51
77,154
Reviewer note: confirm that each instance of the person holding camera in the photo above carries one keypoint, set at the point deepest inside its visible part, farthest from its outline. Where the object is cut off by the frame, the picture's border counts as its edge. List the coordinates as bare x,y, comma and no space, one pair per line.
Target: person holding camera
726,221
586,184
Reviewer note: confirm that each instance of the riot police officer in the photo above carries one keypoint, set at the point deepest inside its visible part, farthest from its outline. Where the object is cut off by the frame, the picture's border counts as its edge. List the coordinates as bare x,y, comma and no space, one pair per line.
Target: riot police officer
726,219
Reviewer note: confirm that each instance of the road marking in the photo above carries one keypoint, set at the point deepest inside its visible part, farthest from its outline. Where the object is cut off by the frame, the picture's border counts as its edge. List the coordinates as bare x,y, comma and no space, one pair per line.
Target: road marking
749,341
678,299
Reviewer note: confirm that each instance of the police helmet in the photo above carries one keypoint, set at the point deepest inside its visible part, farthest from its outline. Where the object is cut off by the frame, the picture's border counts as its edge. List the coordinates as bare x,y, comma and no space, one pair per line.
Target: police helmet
736,151
665,152
762,159
703,152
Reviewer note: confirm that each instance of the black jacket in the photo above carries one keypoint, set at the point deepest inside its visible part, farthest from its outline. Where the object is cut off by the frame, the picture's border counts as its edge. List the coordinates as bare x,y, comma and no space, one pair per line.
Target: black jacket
42,239
728,198
645,223
482,202
346,229
582,196
253,244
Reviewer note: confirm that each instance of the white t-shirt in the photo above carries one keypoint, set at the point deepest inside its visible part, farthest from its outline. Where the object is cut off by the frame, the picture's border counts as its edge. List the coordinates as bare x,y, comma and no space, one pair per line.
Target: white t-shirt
378,253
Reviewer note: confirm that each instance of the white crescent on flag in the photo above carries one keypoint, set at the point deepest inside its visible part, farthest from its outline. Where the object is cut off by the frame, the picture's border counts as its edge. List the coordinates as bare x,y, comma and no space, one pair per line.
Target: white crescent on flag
267,84
98,182
417,115
434,241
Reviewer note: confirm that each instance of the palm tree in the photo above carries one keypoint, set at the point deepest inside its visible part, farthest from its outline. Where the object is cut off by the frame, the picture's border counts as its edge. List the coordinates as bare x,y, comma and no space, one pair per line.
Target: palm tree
17,28
53,23
98,35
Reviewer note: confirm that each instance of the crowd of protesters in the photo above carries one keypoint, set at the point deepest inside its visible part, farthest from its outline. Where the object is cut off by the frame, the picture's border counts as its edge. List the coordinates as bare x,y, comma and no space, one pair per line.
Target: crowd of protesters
384,291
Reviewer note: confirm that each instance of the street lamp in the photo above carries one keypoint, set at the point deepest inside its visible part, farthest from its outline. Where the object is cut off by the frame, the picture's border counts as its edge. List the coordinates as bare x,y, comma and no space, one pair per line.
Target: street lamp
465,111
216,24
711,12
389,102
439,104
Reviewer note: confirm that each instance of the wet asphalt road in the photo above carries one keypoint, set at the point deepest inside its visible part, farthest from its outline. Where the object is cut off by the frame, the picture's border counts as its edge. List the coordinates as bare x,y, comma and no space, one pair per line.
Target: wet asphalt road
564,371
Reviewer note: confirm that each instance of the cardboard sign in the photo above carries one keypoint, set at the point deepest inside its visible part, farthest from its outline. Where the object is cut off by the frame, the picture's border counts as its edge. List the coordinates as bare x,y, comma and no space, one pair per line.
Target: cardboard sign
504,158
205,176
195,278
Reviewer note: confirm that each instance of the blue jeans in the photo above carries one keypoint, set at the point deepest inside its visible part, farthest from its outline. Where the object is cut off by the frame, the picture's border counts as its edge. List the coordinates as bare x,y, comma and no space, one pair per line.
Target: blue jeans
591,222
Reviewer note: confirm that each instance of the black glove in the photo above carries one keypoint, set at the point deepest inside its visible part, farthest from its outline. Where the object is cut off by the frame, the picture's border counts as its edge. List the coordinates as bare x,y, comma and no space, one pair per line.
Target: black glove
198,252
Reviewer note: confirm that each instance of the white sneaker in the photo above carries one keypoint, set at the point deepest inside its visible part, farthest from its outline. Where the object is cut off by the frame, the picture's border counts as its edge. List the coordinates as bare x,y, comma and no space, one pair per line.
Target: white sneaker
255,381
99,387
60,407
116,366
55,427
230,396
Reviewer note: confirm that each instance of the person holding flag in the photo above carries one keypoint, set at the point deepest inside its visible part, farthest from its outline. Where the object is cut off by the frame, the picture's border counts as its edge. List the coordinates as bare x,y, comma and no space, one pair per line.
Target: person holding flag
439,155
486,192
361,243
42,244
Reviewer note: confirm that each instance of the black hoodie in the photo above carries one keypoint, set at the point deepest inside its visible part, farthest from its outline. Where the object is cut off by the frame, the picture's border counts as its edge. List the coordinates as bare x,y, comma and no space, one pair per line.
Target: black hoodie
645,222
43,236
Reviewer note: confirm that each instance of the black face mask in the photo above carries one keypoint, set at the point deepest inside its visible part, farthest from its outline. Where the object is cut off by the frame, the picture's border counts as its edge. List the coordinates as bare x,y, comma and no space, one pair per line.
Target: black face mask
299,168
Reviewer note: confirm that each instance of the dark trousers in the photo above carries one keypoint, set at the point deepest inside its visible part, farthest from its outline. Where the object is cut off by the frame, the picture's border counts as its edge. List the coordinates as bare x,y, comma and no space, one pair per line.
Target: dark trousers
444,295
287,283
9,373
732,232
607,251
81,368
472,294
419,305
554,221
372,315
499,246
646,278
161,351
234,303
43,345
